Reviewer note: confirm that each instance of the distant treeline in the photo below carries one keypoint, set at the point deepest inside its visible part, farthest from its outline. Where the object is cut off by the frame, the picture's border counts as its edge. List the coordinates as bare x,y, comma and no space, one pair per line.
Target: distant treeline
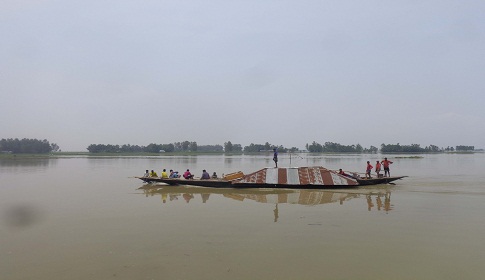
27,146
151,148
35,146
465,148
416,148
314,147
330,147
253,148
185,146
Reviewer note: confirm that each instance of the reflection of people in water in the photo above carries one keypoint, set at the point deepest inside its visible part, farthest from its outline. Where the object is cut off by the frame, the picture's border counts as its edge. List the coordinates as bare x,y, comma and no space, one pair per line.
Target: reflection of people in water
275,212
379,202
188,197
387,202
382,200
369,202
205,197
386,205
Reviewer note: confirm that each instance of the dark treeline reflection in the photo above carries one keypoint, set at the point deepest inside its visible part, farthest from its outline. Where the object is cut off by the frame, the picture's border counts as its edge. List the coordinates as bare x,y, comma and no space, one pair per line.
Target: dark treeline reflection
24,162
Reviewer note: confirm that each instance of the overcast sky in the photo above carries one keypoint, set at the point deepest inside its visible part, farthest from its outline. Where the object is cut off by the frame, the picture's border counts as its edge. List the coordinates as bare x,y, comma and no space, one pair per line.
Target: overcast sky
255,71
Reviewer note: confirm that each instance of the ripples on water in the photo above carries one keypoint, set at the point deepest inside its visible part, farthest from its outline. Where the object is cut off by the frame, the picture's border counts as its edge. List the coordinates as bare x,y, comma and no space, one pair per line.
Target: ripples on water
88,218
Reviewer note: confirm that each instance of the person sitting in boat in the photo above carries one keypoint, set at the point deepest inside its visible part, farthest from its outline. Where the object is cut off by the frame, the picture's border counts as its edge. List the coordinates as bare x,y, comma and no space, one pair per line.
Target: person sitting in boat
153,174
174,174
164,174
188,175
341,172
214,175
205,175
147,174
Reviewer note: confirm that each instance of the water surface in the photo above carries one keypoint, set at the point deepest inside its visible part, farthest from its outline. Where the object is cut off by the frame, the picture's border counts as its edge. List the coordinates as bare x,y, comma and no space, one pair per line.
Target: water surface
87,218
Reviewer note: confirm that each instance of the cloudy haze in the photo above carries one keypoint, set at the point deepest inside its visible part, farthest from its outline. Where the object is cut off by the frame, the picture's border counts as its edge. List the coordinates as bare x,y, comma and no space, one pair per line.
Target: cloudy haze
285,72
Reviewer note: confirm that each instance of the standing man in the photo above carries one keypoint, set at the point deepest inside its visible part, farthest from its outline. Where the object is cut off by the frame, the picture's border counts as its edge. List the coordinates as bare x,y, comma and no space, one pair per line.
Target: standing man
368,170
378,169
275,157
386,163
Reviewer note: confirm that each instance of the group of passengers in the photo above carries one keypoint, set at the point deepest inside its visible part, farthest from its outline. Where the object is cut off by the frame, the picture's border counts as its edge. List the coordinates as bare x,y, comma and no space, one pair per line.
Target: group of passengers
385,163
175,174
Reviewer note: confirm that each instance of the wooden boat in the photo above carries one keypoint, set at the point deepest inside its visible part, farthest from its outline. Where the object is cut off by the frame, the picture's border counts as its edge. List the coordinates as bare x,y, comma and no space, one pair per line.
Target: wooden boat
378,180
316,177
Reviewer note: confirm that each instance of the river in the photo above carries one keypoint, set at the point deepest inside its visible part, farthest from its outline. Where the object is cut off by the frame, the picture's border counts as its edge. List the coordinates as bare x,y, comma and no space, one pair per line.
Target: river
88,218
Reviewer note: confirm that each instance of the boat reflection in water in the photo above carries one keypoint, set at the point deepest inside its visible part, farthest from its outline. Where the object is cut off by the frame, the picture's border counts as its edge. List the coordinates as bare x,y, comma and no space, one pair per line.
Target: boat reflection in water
377,199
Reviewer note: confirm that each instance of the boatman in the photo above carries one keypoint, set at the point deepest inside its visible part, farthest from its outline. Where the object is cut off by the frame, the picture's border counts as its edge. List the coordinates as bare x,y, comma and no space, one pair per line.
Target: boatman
385,164
368,170
378,169
275,157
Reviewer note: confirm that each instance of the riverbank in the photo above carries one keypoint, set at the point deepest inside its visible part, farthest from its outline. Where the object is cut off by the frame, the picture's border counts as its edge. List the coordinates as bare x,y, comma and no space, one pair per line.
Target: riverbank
93,155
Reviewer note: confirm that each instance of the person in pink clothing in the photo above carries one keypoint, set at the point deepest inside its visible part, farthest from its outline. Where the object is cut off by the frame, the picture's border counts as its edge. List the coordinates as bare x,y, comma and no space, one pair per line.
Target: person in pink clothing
385,163
368,170
378,169
188,175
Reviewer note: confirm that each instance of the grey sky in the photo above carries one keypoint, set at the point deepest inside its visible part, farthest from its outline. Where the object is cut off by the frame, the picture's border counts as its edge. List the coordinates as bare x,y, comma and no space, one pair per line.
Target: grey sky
287,72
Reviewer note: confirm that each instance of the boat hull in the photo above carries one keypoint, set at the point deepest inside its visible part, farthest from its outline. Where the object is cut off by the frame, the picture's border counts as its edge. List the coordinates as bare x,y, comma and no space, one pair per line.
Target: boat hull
378,181
230,184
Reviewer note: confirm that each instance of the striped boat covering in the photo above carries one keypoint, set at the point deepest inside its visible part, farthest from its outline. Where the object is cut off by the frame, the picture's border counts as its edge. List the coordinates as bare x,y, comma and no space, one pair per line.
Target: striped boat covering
316,175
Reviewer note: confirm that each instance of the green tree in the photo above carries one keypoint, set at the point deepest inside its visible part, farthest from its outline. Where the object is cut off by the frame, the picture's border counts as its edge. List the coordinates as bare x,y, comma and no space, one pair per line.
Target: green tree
267,146
185,145
31,146
228,146
237,148
193,146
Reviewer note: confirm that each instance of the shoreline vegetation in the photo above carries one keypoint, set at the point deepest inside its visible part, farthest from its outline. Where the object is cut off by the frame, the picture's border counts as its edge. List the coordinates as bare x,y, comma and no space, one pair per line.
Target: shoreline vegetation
11,148
117,155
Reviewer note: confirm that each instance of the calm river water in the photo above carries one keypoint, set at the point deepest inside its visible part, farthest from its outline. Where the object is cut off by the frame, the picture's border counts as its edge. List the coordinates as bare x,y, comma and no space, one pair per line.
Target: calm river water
87,218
